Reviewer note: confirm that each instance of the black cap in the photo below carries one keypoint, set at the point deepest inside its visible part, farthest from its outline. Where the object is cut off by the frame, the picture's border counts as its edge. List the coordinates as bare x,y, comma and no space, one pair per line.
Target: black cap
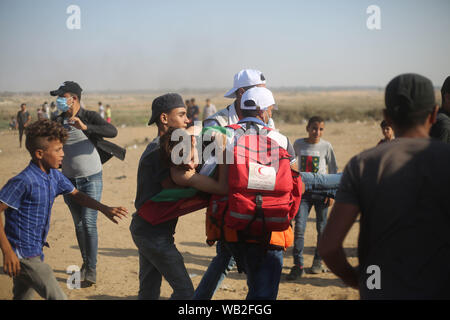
67,86
409,92
164,104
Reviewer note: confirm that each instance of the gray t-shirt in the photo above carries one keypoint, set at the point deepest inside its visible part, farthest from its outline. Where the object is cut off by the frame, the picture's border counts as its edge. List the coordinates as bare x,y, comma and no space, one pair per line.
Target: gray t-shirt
315,157
81,158
402,189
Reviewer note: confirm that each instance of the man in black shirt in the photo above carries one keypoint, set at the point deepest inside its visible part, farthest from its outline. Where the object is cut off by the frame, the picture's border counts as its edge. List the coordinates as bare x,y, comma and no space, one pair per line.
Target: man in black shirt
401,190
23,120
158,255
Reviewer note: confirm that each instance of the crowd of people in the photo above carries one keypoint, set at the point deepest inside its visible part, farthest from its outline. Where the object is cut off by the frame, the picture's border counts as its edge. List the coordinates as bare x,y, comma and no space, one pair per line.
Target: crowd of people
399,188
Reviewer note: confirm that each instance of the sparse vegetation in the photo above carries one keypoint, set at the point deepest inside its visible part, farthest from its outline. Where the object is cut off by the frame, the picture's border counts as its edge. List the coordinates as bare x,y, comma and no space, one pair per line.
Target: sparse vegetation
295,106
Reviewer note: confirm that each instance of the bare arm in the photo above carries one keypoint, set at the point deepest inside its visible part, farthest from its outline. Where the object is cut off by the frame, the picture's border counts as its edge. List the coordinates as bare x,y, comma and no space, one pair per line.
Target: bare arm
341,219
110,212
11,264
203,183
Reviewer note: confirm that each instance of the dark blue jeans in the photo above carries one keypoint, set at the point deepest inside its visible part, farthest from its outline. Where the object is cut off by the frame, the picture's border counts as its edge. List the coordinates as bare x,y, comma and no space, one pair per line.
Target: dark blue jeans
85,219
300,225
262,266
218,269
158,257
325,184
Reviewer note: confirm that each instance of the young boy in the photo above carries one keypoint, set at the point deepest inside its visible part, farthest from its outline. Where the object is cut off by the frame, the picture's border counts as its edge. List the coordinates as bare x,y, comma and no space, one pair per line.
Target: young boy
314,155
27,200
387,131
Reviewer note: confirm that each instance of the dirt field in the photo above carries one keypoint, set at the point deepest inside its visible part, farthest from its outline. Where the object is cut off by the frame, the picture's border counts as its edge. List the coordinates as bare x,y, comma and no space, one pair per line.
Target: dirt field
117,270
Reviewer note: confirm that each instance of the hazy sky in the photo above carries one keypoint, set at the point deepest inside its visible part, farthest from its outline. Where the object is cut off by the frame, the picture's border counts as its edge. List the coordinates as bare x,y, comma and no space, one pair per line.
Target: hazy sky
201,44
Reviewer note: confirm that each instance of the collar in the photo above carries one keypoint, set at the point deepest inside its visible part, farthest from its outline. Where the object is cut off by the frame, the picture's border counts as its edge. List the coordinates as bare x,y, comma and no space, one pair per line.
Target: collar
33,167
252,119
232,115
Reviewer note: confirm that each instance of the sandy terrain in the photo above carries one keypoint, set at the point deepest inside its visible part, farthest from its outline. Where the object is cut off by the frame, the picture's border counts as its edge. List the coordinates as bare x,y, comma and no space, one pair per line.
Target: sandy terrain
117,255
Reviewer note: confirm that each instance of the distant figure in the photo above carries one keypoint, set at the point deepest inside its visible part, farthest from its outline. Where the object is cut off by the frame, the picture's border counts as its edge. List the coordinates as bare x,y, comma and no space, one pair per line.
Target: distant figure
387,131
13,123
101,109
108,113
401,191
209,109
23,120
441,129
193,112
46,110
53,111
40,114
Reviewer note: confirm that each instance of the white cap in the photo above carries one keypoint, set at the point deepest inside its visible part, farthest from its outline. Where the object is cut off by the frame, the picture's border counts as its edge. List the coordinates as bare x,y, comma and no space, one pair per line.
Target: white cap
245,78
257,97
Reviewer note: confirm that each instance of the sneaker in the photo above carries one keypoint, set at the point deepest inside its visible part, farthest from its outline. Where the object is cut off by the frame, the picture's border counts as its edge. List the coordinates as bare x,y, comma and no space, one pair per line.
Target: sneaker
318,267
91,276
296,273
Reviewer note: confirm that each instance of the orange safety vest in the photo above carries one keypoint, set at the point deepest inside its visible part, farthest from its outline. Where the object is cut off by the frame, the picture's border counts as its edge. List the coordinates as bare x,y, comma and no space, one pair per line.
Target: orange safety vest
282,239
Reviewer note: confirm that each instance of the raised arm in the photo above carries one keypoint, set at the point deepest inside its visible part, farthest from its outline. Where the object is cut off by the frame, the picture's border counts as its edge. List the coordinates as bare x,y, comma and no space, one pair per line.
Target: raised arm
11,264
188,178
110,212
97,126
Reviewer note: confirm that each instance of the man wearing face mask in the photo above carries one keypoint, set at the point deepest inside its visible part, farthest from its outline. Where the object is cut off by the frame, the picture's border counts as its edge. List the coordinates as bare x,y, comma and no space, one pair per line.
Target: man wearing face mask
85,152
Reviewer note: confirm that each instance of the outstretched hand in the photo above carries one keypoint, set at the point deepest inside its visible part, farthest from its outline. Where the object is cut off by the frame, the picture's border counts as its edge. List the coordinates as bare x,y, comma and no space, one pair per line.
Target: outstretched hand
112,213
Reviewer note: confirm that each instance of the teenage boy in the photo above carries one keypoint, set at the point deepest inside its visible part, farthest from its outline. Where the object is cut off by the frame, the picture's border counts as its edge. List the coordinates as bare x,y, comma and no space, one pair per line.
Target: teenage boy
158,255
401,190
85,151
314,155
27,200
387,132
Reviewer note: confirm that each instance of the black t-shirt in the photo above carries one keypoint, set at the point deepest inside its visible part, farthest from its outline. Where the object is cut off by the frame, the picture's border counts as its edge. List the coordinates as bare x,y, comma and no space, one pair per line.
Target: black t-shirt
151,172
22,118
402,189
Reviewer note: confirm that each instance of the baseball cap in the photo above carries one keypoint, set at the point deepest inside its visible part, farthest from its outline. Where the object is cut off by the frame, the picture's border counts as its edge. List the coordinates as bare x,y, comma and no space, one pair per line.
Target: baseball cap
409,92
67,86
164,104
245,78
257,97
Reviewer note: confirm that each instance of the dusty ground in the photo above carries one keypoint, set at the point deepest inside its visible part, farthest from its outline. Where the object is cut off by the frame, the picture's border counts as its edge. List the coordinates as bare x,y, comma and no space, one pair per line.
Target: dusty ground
117,254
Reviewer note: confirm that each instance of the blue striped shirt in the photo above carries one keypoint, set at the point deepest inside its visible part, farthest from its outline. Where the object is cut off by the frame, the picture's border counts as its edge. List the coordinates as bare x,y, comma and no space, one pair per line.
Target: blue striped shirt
29,197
